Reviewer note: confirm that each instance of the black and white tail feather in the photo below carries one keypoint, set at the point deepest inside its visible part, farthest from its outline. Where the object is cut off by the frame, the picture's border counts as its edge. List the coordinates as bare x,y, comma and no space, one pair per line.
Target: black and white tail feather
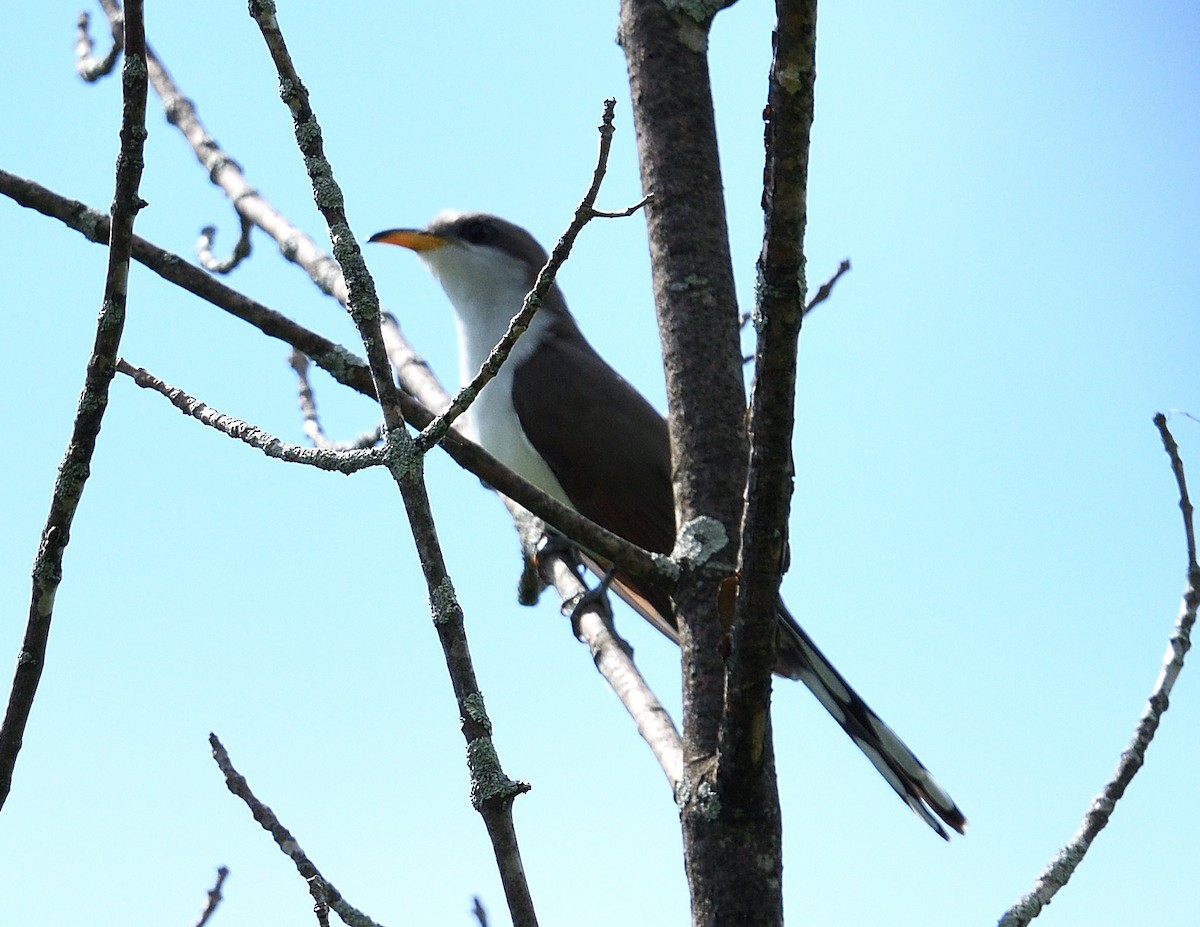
799,658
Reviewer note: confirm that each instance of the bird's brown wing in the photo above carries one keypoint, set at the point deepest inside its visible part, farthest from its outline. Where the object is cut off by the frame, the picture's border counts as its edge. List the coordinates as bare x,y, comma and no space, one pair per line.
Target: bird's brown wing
605,444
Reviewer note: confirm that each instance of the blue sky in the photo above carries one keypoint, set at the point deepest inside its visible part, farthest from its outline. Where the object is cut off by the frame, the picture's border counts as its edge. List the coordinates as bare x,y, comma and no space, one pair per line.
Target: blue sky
985,535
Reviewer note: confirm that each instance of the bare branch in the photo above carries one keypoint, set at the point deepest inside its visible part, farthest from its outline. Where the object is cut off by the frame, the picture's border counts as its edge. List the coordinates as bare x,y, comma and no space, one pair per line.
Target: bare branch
626,212
1067,860
1185,502
826,288
76,464
313,429
745,754
823,293
492,792
339,461
612,655
321,887
214,897
241,250
88,67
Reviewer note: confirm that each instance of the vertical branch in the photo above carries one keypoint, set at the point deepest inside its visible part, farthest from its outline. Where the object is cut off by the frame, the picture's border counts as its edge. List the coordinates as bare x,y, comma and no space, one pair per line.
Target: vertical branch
76,462
666,56
779,308
731,829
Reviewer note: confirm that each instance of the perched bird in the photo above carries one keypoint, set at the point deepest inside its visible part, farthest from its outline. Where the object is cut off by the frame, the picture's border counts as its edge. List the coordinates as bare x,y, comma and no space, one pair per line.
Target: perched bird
561,417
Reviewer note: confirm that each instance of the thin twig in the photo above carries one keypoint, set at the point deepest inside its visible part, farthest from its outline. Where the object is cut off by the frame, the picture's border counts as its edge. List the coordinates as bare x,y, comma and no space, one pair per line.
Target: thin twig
87,66
339,461
241,249
612,655
76,464
313,429
214,897
827,287
1067,860
584,213
627,211
267,819
1185,502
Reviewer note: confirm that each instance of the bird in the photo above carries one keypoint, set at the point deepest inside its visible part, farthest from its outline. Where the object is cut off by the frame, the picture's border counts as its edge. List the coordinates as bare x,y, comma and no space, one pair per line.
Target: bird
560,416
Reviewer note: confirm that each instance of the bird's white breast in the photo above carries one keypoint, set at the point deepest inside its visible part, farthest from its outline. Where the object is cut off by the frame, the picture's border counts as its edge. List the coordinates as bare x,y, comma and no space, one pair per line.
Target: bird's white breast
486,292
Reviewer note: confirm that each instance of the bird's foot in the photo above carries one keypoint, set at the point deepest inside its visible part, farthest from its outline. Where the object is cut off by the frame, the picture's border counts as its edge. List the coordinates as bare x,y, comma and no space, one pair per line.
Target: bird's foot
597,596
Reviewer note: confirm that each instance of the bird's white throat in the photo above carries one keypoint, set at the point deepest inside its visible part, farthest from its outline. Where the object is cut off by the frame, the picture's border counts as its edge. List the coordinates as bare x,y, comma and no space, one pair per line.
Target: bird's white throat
487,288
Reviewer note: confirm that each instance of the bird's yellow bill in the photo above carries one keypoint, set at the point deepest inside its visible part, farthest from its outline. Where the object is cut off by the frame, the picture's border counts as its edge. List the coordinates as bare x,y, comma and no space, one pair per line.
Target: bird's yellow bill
411,239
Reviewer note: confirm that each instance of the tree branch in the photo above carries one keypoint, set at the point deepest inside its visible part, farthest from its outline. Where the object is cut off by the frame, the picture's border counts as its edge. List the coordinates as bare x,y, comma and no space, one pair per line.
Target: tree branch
322,888
492,792
74,469
313,430
340,461
612,655
87,66
1067,860
241,249
731,837
745,751
825,290
214,897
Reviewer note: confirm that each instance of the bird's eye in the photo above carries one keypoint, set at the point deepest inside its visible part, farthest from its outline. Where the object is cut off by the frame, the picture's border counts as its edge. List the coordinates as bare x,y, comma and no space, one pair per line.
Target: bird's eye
478,232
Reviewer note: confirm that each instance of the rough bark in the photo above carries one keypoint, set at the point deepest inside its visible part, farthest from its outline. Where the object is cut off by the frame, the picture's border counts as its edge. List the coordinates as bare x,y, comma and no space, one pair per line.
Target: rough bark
778,311
731,840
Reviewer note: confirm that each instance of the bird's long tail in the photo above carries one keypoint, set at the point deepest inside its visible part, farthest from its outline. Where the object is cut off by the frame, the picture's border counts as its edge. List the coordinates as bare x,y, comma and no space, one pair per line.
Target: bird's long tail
799,658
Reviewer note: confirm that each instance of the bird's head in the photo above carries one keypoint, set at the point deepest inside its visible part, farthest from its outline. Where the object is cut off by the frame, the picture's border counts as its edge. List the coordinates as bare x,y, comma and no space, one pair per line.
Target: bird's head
481,260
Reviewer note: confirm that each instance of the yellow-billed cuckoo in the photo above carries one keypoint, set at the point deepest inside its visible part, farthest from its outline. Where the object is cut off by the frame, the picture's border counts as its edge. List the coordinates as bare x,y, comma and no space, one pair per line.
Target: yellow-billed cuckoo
554,392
